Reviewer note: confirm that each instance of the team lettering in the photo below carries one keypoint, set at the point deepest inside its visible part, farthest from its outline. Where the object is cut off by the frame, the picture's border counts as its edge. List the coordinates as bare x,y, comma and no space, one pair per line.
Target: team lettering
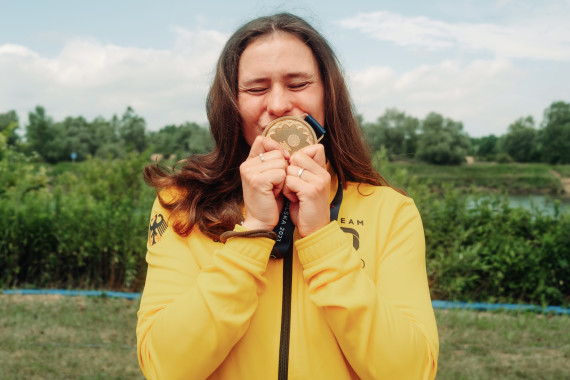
358,222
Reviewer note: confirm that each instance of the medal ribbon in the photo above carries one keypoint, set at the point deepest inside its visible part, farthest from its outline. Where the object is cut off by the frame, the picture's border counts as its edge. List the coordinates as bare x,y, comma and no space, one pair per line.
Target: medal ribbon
285,227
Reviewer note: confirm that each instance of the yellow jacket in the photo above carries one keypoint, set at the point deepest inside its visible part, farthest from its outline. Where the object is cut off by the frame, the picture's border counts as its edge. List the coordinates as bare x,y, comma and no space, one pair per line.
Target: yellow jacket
360,304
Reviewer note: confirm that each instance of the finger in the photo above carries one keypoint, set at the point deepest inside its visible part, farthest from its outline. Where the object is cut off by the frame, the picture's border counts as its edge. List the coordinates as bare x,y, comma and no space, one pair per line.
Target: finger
316,152
268,180
265,144
302,174
269,161
289,194
308,182
301,160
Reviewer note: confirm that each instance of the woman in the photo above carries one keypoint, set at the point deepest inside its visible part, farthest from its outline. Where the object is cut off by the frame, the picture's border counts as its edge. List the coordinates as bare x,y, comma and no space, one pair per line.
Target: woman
349,300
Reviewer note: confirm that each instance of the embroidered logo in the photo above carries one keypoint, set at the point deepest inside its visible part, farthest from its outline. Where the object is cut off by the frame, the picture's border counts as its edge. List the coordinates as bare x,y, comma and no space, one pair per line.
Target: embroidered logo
156,229
355,240
355,236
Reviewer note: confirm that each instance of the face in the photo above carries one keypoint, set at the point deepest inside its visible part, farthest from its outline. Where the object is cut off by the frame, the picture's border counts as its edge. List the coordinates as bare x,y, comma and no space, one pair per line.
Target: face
277,76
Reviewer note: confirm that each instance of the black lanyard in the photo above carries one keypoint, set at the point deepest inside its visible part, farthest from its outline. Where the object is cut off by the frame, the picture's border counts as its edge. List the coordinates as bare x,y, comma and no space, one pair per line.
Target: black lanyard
285,228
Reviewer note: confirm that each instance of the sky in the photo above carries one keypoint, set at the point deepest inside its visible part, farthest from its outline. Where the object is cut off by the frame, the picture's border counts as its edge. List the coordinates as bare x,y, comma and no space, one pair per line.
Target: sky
484,63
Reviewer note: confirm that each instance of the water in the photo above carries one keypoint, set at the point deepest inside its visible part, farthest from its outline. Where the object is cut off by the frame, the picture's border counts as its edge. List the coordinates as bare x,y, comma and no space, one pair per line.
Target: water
544,203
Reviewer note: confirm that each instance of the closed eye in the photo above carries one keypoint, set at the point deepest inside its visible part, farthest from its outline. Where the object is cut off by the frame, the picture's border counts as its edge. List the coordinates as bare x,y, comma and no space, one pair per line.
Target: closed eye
256,90
299,86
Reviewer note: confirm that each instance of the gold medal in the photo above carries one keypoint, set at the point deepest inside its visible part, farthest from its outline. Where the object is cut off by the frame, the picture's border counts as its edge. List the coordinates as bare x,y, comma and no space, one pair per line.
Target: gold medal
292,132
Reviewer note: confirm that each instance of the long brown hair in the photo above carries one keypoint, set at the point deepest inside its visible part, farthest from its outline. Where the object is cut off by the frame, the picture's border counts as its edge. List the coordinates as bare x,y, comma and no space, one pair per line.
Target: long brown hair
208,187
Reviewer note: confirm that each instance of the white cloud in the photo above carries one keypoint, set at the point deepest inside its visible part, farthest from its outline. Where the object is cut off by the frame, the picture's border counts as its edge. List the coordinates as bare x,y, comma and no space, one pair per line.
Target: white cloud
16,50
484,94
89,78
544,36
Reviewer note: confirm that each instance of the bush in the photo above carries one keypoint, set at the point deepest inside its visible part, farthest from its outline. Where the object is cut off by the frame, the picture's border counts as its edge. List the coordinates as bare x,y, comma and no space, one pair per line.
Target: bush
504,158
84,228
489,251
478,248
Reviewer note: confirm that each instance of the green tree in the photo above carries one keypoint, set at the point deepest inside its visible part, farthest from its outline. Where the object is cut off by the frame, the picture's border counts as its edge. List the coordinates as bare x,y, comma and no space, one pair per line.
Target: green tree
40,131
181,140
396,131
9,121
132,131
555,133
57,148
485,148
4,135
77,138
106,134
442,141
521,140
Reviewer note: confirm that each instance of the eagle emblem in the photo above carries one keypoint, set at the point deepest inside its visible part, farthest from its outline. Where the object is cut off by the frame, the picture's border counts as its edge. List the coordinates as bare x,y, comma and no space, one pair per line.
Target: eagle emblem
156,229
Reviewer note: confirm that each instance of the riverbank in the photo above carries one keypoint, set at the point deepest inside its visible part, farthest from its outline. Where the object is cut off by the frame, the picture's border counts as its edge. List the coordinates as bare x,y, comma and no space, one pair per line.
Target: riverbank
512,179
565,181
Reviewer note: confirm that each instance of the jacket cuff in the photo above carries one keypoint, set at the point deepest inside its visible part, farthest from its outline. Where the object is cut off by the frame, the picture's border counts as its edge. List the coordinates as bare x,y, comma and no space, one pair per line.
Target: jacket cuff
258,248
321,243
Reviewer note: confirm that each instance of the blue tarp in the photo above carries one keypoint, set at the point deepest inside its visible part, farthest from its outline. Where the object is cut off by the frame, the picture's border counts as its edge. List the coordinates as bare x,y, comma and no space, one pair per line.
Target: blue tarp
497,306
436,304
86,293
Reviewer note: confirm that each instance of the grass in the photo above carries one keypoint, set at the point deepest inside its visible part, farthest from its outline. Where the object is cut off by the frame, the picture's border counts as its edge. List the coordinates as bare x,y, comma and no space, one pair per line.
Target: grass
563,170
50,337
512,178
503,345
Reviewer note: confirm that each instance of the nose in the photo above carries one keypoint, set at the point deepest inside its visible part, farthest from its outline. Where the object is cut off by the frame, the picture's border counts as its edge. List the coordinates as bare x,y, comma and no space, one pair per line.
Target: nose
279,102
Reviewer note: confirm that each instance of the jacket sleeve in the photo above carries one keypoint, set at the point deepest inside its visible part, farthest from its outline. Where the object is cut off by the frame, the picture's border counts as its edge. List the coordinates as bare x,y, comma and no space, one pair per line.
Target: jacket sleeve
384,325
191,317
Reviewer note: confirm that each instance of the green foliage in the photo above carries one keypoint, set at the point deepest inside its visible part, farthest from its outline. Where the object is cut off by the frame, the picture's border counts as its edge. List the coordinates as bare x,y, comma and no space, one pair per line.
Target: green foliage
132,131
56,141
8,126
109,139
85,224
181,141
395,131
489,251
521,141
83,228
504,158
555,133
485,148
442,141
563,170
509,178
5,135
39,132
481,249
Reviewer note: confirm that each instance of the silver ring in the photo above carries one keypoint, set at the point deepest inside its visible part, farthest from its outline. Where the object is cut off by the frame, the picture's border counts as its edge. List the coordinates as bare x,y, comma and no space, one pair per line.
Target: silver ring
300,172
261,157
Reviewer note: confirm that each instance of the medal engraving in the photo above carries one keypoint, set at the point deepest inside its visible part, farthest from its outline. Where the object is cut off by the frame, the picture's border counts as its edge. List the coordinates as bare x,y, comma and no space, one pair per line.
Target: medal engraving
293,133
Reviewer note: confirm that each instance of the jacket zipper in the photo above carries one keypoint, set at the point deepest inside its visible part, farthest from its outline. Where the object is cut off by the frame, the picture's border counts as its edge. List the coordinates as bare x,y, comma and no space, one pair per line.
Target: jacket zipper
286,315
287,281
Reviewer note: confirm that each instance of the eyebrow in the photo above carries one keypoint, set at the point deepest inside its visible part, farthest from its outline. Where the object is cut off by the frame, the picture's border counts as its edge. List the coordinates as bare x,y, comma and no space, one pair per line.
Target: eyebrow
296,75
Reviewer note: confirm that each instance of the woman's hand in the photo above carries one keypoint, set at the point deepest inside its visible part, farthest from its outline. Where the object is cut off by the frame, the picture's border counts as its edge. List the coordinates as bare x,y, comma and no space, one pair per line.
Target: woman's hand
308,190
262,178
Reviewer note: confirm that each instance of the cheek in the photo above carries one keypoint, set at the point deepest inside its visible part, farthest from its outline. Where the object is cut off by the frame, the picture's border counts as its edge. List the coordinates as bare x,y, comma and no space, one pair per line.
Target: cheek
248,121
247,110
319,110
